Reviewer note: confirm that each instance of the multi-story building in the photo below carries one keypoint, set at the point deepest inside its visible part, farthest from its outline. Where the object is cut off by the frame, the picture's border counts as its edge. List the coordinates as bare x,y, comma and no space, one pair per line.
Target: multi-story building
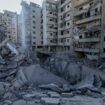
103,30
10,19
2,28
88,16
26,27
36,22
50,25
31,26
65,25
57,25
19,40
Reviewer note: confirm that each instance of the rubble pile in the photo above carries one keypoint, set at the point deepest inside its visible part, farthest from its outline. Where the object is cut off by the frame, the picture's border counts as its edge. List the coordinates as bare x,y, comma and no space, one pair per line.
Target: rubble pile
83,79
29,95
9,66
61,80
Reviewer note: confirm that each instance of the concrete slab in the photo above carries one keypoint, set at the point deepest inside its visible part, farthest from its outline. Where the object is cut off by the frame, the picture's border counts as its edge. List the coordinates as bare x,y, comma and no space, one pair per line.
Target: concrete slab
82,100
50,101
67,95
53,94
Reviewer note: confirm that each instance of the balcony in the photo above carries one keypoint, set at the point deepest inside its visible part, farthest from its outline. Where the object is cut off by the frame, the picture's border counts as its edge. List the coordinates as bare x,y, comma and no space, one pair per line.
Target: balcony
65,3
92,57
77,12
65,11
89,40
52,22
64,36
80,2
51,30
95,50
51,15
86,20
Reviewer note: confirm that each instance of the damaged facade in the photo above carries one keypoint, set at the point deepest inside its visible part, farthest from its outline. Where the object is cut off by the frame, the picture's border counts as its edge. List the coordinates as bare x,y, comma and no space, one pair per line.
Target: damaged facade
88,20
11,24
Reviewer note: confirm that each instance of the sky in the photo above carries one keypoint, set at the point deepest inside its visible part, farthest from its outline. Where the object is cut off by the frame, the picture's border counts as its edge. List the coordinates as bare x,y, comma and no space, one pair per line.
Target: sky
14,5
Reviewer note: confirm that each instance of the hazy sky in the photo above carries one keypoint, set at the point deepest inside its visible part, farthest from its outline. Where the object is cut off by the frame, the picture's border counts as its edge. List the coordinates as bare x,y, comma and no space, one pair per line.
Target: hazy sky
14,5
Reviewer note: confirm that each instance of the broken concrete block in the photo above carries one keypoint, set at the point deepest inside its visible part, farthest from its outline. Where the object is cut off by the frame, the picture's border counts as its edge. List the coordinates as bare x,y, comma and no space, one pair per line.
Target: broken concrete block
103,91
81,100
2,88
36,75
50,101
68,95
39,95
28,96
53,94
20,102
8,102
52,87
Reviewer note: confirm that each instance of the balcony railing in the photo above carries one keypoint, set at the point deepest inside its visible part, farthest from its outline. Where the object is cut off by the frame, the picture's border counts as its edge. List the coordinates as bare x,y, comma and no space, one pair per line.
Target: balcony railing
94,50
81,21
80,2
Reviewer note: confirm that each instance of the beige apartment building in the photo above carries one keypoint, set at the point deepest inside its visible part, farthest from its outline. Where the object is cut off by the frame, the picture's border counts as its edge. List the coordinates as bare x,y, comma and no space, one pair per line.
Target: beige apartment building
57,25
50,25
10,19
89,26
2,28
65,25
36,30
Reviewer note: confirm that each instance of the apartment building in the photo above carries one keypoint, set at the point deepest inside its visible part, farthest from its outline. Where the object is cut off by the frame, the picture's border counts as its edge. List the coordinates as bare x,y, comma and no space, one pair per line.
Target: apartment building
19,40
36,23
103,30
65,25
50,25
88,25
2,28
10,19
31,26
26,27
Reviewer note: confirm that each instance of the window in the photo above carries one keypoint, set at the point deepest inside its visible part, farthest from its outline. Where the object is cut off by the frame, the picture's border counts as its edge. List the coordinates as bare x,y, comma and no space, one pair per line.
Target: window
33,11
34,27
68,24
34,37
104,50
68,6
68,15
33,16
80,37
51,41
34,42
33,21
34,32
51,34
67,40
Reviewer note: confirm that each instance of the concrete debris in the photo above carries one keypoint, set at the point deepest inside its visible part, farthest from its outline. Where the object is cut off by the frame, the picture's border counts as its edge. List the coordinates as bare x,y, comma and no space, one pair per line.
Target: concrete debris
50,101
53,94
67,95
52,87
78,73
20,102
81,100
36,75
60,80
